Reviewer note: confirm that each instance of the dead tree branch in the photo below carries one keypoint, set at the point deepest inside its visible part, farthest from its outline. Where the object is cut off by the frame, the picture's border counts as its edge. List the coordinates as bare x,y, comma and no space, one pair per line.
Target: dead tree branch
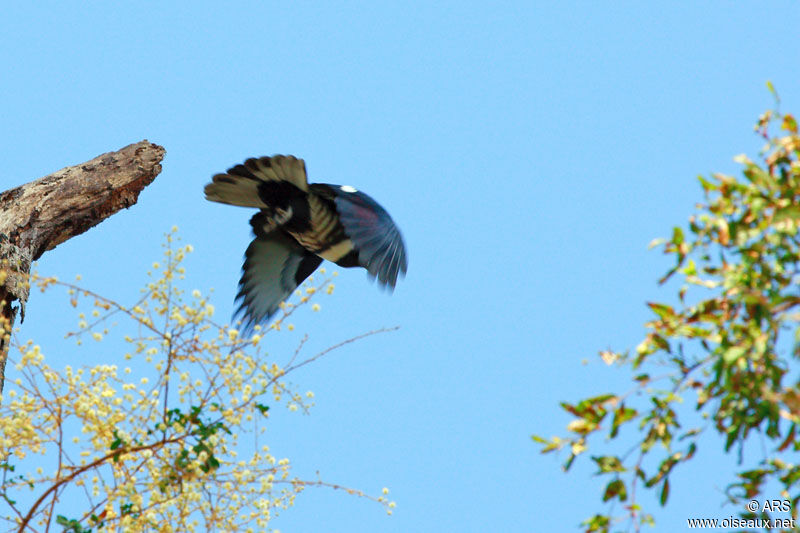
40,215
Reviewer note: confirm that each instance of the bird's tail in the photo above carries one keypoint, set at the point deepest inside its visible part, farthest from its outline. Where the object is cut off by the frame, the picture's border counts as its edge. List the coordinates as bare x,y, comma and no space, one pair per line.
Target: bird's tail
240,184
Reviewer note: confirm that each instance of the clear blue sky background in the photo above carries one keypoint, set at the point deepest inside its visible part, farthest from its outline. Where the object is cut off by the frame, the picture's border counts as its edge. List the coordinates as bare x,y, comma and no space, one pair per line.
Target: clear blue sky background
529,151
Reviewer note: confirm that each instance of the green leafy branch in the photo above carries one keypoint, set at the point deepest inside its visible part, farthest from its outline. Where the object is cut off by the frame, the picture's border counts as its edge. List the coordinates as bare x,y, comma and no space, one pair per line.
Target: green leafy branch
724,345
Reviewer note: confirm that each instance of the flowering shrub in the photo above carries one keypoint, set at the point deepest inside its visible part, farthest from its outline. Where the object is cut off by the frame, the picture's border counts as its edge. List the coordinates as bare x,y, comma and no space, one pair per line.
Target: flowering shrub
169,446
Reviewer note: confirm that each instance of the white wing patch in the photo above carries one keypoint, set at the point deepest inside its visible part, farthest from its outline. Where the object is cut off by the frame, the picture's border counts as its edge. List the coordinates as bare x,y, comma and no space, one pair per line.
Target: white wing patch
348,188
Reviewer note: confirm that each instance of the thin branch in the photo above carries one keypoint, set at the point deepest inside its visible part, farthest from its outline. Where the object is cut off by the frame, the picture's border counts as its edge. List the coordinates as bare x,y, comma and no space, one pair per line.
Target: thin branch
335,346
86,468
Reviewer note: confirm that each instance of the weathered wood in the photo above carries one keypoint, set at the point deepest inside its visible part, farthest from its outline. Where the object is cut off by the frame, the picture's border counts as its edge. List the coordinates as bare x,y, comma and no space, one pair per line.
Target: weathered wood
40,215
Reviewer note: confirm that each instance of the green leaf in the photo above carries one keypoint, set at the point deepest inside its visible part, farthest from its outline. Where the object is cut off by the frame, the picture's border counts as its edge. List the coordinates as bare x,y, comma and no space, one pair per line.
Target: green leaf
71,525
608,463
569,461
662,310
790,212
664,492
732,354
677,235
621,415
555,443
690,269
615,489
707,185
598,522
789,123
758,176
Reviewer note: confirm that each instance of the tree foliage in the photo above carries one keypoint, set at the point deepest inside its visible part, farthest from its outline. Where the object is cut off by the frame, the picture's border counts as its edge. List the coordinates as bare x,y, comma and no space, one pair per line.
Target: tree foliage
725,346
170,443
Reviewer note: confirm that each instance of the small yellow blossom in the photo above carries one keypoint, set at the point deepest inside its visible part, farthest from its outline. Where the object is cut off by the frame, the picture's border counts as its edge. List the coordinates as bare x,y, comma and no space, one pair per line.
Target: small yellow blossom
608,357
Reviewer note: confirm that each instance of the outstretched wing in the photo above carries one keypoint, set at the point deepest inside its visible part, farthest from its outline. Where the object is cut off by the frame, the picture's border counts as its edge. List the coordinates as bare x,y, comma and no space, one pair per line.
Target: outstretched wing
274,266
374,234
244,184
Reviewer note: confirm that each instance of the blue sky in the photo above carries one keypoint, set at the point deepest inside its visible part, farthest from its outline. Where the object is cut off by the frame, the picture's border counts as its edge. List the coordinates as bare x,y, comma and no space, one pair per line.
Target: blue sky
529,151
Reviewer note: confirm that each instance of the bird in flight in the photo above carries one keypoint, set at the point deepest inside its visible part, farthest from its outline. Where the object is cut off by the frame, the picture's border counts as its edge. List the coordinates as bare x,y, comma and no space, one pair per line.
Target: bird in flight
300,224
